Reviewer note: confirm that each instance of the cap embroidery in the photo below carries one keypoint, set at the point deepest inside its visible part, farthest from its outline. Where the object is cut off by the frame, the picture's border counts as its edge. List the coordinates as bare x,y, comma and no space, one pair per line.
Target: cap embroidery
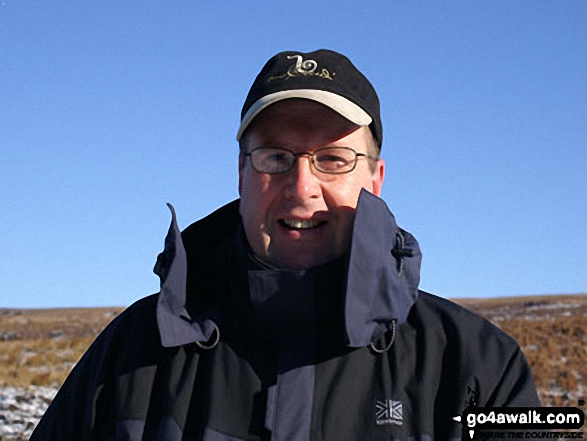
305,68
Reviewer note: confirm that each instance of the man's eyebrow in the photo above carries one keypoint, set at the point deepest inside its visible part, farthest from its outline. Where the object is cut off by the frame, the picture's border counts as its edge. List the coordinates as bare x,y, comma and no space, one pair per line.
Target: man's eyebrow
272,146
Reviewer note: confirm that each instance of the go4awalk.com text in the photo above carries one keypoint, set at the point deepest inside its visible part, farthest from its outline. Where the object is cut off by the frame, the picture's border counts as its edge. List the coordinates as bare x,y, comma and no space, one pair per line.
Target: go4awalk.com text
522,422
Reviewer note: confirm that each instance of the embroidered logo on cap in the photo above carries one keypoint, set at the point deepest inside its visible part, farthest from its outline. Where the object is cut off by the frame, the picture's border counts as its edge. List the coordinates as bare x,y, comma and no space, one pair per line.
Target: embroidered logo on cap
388,412
303,67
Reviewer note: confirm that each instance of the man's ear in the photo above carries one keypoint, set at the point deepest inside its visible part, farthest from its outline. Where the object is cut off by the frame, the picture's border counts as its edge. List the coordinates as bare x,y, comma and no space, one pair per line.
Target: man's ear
378,177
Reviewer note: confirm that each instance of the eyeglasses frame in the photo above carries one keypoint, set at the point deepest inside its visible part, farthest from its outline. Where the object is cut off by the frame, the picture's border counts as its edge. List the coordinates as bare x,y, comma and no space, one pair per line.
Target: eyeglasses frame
312,159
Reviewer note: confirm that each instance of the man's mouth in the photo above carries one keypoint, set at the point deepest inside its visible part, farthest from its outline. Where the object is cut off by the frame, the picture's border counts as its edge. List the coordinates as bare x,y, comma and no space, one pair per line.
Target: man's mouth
298,224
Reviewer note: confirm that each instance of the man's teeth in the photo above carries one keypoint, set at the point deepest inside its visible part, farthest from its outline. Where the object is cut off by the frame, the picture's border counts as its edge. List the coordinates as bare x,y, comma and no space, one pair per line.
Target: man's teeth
300,224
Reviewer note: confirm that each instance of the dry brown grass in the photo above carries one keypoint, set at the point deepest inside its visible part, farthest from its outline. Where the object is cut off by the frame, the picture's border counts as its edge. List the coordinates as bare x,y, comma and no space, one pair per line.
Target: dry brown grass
551,332
39,347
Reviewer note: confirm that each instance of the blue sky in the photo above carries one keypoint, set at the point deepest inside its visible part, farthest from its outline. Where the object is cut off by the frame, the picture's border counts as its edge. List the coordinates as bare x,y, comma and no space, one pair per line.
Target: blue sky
110,109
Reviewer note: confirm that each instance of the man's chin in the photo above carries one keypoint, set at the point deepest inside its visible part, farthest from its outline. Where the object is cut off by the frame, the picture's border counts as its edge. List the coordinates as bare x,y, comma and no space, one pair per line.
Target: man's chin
300,261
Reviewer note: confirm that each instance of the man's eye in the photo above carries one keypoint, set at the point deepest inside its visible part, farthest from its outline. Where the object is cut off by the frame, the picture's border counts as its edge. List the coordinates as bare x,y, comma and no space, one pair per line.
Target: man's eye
272,161
331,160
277,157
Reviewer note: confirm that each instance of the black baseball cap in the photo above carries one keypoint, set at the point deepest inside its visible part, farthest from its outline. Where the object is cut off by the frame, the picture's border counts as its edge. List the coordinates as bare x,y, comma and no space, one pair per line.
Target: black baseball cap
323,76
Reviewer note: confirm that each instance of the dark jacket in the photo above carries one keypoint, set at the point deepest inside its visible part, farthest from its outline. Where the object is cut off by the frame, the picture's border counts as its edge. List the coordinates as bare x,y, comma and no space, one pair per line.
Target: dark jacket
345,352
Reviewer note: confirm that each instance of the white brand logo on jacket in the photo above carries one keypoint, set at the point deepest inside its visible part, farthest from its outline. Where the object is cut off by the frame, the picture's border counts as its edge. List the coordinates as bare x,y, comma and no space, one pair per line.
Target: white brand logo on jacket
388,412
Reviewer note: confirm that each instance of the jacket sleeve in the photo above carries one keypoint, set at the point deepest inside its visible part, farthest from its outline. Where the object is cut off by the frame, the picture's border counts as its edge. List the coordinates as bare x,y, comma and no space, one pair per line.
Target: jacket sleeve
73,413
516,387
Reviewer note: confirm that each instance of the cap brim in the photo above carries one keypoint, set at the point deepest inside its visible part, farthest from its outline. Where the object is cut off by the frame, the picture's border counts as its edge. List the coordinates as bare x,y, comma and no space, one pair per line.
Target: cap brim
339,104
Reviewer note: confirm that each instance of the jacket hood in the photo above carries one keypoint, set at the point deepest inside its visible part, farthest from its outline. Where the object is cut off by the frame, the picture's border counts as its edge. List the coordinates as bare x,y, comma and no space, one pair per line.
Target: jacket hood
381,281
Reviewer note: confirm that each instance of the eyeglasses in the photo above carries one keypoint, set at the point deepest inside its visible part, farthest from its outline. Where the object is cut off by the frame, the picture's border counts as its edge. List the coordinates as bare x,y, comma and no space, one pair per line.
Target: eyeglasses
330,160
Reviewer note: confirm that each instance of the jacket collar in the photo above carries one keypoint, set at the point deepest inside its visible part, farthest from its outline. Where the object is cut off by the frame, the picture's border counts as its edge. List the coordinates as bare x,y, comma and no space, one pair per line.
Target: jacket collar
383,272
176,326
381,285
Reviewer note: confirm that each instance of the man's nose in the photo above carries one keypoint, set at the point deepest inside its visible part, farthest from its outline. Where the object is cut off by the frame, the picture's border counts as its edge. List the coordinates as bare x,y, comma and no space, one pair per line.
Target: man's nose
302,180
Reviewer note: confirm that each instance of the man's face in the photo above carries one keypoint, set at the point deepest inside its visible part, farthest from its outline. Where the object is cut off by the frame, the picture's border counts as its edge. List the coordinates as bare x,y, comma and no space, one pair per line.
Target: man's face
303,218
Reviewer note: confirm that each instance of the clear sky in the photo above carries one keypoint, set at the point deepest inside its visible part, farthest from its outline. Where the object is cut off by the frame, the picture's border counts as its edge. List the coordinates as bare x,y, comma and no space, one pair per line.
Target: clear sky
109,109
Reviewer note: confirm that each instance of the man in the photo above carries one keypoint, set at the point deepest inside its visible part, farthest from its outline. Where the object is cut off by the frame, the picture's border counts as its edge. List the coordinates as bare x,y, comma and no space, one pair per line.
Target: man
293,314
